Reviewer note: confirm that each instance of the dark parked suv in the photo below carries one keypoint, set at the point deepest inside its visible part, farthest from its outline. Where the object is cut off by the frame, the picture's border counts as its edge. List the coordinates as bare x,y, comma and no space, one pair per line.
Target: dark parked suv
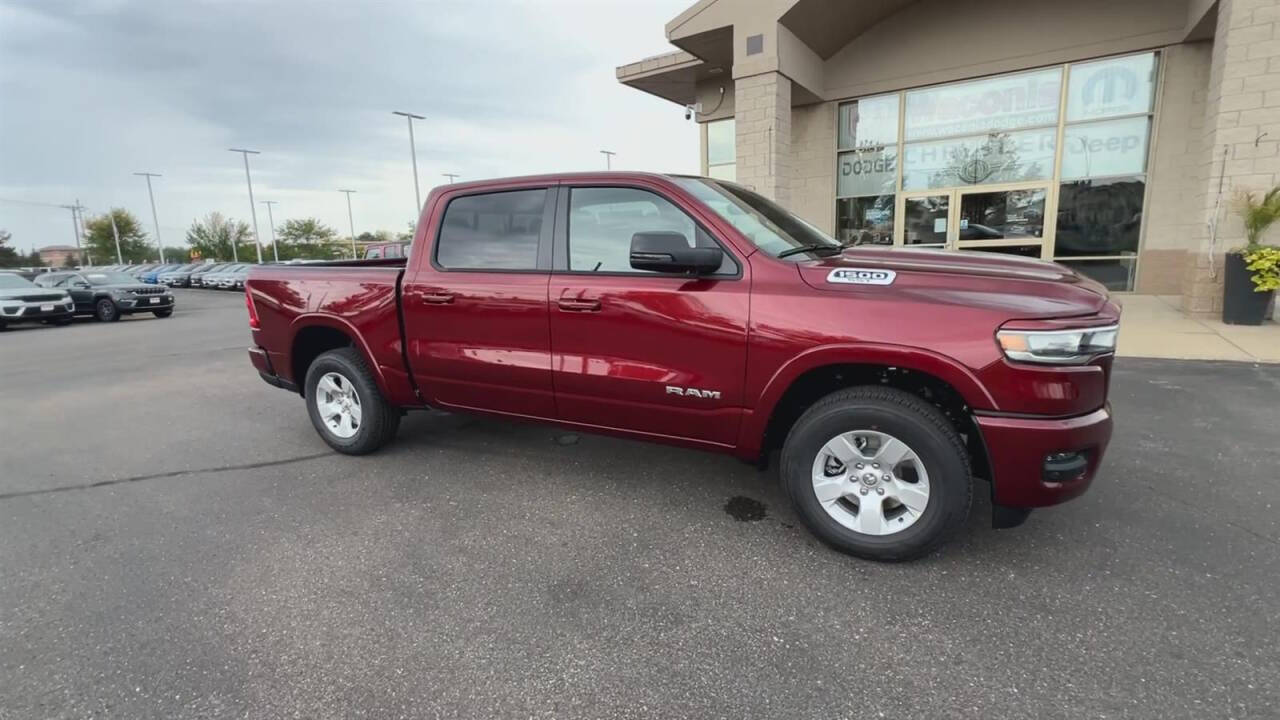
23,301
108,295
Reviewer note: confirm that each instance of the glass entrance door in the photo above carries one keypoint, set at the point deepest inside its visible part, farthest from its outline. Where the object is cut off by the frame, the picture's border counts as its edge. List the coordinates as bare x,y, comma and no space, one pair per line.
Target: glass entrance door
1002,221
926,220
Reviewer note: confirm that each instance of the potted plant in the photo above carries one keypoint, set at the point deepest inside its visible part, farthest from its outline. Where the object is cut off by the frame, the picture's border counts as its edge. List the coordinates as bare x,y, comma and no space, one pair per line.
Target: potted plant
1252,272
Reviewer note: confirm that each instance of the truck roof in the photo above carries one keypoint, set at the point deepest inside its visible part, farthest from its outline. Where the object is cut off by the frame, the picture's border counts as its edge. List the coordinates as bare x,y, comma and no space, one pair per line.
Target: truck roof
560,177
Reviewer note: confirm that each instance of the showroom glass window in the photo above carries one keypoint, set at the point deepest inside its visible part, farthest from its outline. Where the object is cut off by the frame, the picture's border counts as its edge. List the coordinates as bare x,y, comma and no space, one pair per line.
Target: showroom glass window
981,132
1104,167
976,165
867,170
721,152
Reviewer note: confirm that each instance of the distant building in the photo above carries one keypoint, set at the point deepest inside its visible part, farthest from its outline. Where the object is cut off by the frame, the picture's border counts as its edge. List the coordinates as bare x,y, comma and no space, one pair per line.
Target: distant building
56,255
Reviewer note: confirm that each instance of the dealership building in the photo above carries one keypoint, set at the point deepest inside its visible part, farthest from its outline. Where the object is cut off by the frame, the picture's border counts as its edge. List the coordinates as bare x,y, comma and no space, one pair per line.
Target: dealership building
1108,135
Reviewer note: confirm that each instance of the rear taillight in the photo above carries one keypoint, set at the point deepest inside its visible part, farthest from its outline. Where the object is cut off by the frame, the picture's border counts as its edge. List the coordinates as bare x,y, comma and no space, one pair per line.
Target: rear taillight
253,312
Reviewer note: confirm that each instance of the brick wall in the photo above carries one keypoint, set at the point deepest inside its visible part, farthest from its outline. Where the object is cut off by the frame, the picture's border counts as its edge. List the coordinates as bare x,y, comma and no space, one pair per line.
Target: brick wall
762,121
813,162
1172,213
1242,123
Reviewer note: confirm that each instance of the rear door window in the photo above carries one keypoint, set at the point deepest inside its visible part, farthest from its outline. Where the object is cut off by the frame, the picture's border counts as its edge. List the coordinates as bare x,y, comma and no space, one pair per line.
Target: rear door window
493,231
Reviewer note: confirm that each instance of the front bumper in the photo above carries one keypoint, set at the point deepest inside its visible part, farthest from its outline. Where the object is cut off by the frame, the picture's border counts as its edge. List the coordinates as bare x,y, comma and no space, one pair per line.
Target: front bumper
1018,446
142,303
34,311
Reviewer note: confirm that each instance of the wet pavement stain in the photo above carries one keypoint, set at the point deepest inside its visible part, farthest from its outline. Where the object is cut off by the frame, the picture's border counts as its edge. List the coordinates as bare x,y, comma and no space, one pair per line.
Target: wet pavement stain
744,509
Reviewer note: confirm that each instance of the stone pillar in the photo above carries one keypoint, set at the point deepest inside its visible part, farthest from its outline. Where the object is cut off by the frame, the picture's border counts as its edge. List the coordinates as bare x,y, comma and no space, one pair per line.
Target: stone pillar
762,125
1242,104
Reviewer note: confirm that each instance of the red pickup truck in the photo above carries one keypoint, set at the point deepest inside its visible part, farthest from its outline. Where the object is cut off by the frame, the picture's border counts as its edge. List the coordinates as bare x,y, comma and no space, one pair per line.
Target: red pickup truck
696,312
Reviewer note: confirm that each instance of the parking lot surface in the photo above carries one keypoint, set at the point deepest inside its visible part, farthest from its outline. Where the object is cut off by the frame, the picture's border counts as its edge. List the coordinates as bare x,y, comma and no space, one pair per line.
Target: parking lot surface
176,542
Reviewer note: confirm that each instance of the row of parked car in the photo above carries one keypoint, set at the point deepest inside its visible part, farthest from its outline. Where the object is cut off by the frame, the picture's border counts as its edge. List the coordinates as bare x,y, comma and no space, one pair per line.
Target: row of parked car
55,298
223,276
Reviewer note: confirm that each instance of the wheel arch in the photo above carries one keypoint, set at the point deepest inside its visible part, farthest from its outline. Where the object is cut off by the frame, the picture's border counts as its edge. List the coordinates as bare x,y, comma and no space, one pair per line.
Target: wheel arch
314,334
814,374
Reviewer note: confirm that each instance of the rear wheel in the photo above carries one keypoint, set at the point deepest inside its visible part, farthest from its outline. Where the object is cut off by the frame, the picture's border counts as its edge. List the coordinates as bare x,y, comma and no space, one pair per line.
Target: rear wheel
105,311
878,473
345,405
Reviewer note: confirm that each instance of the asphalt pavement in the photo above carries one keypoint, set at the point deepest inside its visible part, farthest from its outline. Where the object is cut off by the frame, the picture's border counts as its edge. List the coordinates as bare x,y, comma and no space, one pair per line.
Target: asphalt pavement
176,542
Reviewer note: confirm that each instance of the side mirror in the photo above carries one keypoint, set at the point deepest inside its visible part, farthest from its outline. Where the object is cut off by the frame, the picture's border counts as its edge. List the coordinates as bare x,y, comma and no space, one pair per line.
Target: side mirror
669,252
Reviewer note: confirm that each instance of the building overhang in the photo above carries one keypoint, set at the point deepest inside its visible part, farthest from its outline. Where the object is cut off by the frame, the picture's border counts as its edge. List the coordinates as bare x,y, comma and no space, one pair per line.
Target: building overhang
673,76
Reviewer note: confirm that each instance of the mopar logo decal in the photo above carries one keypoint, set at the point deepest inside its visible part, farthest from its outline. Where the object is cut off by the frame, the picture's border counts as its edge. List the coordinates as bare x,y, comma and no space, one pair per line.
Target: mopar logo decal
862,276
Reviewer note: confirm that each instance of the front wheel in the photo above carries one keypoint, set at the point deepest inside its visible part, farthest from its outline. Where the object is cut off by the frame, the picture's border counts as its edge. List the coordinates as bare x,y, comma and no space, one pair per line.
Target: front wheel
105,311
163,313
878,473
345,405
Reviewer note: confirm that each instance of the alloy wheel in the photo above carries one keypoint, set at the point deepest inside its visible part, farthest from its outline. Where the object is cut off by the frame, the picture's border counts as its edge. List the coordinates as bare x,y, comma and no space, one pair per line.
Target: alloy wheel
339,405
870,482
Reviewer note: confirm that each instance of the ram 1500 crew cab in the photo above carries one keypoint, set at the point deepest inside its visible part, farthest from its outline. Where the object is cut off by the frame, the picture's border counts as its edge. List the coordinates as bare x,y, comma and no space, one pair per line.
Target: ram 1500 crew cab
696,312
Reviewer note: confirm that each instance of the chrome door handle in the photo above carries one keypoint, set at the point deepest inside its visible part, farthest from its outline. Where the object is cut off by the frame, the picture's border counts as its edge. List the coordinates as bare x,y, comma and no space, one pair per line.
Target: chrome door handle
437,298
579,305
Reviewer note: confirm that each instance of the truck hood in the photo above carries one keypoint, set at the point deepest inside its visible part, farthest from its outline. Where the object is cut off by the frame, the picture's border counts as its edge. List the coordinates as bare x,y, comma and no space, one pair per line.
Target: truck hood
1023,286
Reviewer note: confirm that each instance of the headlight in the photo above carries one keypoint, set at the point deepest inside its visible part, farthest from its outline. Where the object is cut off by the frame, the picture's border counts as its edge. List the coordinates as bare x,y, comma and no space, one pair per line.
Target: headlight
1058,347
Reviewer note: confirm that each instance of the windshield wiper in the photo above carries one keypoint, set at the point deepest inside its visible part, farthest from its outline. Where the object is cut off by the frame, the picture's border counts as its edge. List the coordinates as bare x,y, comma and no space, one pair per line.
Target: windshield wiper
814,248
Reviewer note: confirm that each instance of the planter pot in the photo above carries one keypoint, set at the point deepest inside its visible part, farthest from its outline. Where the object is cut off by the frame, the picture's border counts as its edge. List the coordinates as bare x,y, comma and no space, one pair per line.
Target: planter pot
1241,305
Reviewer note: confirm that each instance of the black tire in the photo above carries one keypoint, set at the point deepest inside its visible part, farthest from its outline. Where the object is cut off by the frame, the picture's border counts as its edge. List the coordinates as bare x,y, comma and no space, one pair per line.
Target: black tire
379,420
105,310
902,415
163,313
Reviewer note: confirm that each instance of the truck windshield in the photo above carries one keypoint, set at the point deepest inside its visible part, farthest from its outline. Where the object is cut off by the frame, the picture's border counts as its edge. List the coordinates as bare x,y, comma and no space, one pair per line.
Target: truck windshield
765,223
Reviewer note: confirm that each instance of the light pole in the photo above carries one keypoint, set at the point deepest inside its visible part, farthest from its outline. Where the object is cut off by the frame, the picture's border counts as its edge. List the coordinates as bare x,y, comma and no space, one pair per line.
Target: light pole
271,221
253,210
83,233
413,154
608,158
154,221
354,254
75,225
451,176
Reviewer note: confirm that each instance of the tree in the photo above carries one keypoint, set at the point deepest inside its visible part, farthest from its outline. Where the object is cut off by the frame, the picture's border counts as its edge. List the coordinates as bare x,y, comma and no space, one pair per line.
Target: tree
8,256
176,254
71,261
33,260
214,235
307,238
100,239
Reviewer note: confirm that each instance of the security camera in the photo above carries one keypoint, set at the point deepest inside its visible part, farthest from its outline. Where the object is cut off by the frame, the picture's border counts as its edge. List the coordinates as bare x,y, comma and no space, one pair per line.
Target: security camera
689,110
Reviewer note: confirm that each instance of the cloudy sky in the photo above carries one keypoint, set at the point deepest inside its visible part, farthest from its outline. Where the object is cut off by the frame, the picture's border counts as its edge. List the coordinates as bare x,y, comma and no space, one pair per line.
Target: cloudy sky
94,90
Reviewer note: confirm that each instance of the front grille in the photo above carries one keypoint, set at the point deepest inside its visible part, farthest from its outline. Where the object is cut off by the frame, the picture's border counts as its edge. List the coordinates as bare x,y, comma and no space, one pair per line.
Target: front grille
46,298
148,291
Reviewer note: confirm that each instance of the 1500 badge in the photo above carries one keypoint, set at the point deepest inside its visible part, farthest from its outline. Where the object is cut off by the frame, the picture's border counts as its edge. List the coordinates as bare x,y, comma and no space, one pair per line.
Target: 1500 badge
861,276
